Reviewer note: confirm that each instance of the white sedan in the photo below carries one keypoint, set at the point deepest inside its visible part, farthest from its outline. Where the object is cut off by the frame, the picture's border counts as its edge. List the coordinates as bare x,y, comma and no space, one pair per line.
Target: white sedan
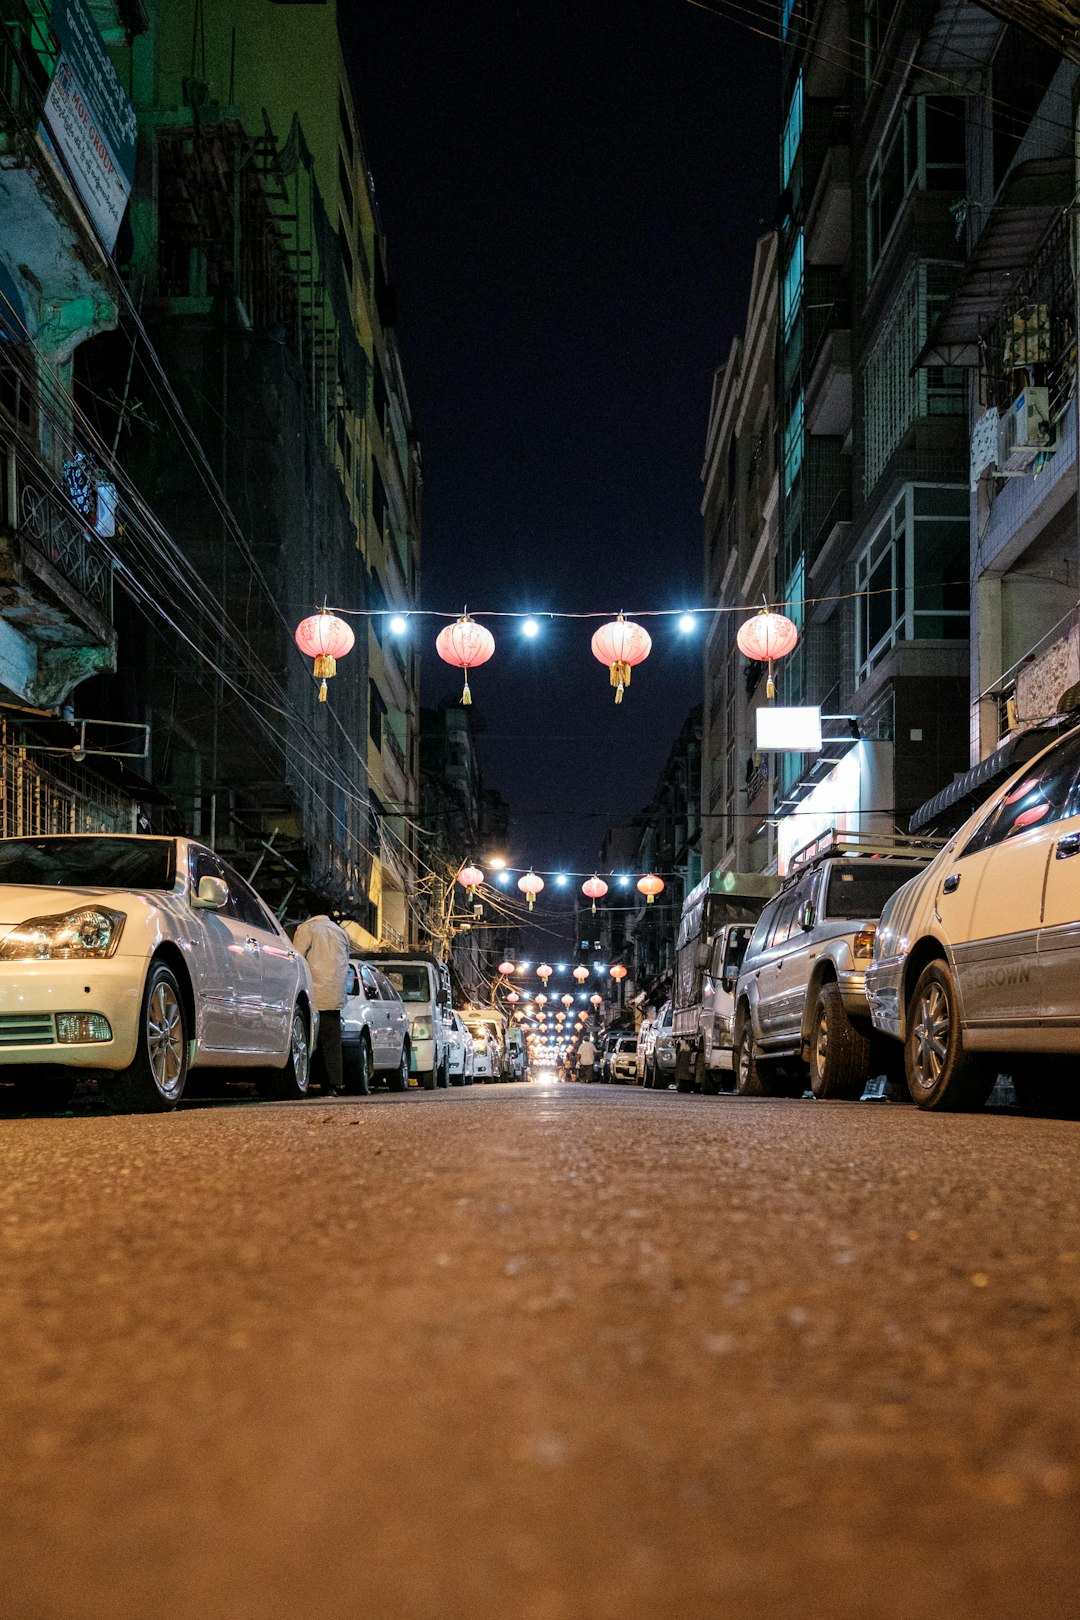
459,1052
374,1032
142,958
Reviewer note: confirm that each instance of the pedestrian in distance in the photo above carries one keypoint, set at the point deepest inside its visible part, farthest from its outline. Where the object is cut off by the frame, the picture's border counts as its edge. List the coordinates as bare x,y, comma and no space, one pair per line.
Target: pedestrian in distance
326,948
586,1057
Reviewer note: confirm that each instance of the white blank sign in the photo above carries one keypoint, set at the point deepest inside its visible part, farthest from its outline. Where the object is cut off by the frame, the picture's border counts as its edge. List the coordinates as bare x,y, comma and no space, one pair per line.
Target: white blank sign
789,731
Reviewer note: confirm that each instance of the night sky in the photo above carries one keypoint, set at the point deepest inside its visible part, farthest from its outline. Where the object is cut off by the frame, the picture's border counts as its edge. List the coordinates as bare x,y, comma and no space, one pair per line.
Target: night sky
571,194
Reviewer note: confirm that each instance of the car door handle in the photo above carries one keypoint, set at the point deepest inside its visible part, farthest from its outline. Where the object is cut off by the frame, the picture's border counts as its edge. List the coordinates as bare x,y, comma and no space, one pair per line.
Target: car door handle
1069,845
951,883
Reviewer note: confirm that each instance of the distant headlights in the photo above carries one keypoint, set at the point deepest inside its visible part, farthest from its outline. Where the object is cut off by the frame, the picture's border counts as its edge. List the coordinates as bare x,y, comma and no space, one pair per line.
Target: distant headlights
72,936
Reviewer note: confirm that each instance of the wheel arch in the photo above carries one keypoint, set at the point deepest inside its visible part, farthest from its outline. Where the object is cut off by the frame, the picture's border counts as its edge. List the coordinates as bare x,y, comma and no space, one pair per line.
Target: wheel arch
926,950
173,958
824,973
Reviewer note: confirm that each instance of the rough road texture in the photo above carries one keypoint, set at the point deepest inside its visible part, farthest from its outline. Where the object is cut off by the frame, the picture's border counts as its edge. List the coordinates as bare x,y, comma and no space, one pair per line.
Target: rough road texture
540,1354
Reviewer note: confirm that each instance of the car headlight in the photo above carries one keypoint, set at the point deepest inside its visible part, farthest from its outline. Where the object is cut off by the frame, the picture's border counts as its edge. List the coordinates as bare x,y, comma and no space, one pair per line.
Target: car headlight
74,935
421,1028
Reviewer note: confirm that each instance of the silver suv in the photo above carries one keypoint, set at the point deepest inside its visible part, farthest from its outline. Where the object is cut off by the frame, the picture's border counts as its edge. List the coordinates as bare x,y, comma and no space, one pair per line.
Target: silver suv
801,996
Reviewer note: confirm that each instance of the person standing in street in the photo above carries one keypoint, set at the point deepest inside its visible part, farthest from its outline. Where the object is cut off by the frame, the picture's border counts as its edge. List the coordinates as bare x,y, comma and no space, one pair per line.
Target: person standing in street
586,1057
326,949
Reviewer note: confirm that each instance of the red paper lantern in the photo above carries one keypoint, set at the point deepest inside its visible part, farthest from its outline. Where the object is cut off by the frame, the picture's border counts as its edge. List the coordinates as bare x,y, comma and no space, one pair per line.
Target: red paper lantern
326,639
581,974
544,973
765,637
465,644
506,968
620,644
541,1000
530,886
618,972
595,889
470,878
595,999
567,1000
650,886
513,996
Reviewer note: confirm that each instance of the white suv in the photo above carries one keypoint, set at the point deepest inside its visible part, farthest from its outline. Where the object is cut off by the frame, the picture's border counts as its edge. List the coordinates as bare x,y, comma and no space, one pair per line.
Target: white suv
977,960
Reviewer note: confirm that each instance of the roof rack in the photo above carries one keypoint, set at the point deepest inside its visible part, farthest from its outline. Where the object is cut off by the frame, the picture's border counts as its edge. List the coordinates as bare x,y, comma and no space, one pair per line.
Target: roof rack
832,842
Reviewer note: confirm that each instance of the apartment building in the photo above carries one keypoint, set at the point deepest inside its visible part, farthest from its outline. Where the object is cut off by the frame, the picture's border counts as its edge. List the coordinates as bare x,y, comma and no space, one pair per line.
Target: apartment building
740,510
257,263
876,165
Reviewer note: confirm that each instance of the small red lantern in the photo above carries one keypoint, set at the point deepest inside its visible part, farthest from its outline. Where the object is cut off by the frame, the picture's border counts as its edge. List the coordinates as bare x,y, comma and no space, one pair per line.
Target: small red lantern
618,972
765,637
541,999
567,1000
530,886
581,974
513,996
620,644
544,973
595,888
326,639
596,999
506,968
650,886
470,878
465,644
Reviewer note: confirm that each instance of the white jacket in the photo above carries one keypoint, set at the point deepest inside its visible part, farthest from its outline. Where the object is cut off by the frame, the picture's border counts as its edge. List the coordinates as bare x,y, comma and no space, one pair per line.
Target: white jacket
326,947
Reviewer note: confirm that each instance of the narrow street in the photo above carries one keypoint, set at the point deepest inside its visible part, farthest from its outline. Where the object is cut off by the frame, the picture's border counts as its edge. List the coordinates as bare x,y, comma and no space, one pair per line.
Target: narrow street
543,1353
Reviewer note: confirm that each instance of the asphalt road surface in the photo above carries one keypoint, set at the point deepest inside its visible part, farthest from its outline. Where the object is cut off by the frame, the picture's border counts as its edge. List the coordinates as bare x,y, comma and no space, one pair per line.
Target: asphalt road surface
540,1353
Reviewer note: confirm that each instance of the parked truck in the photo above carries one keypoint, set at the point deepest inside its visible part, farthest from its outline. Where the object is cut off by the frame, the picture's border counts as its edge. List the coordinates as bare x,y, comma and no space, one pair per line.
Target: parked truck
718,917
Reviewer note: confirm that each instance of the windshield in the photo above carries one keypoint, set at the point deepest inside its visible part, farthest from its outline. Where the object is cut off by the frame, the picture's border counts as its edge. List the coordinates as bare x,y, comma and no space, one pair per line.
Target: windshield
411,983
858,890
88,863
629,1044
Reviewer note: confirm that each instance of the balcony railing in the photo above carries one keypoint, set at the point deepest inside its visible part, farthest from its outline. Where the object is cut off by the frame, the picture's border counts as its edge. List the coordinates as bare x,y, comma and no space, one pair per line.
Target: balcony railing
46,520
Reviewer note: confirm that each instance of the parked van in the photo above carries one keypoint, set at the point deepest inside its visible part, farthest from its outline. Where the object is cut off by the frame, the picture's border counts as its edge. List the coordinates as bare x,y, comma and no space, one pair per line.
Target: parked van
495,1023
519,1058
423,983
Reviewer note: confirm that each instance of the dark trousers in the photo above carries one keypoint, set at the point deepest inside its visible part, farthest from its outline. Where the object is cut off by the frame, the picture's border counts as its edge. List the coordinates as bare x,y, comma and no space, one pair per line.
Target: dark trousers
584,1073
326,1059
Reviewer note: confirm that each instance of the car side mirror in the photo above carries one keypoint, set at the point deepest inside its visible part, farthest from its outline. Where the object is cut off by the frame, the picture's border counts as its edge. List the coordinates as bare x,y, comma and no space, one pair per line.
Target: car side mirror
211,895
730,979
808,917
702,954
443,999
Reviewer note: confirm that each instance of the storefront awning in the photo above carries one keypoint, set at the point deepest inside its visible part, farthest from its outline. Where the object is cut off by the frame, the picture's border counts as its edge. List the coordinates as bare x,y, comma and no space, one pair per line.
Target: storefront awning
951,807
1031,202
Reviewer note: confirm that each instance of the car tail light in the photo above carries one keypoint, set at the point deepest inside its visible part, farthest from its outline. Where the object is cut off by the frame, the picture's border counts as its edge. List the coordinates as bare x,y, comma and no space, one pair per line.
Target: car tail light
864,943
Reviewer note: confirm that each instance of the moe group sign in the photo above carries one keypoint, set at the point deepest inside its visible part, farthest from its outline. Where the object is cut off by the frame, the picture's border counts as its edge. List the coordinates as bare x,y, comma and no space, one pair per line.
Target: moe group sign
89,120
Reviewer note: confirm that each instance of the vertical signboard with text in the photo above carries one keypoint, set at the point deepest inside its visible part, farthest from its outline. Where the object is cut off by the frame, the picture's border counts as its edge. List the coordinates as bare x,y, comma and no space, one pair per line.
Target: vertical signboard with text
88,120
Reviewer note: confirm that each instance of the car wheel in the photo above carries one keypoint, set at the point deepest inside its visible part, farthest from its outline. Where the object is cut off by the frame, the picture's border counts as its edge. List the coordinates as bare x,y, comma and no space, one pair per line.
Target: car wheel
760,1077
941,1075
428,1079
291,1083
443,1077
839,1050
356,1069
458,1079
154,1081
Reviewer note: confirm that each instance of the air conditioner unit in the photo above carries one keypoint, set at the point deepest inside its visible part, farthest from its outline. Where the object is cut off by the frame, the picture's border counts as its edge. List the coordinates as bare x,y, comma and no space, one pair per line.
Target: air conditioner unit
1025,431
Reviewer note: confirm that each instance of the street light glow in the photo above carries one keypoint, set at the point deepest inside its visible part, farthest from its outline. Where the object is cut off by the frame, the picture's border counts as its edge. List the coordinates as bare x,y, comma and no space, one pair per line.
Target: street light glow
687,623
399,624
530,628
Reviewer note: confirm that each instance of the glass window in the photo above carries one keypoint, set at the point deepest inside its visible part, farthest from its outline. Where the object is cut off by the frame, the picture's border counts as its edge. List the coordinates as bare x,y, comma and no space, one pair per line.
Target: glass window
793,124
1044,794
386,989
793,444
913,575
859,889
352,982
411,983
783,919
249,908
792,289
93,863
368,980
924,149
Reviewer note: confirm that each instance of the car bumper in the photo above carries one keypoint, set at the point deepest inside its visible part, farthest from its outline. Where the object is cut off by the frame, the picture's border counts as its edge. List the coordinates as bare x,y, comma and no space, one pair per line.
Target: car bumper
33,993
883,996
852,985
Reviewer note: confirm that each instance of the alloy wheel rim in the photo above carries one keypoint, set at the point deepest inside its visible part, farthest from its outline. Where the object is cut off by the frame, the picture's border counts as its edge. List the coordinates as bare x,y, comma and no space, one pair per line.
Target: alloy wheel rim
931,1036
822,1040
165,1040
300,1056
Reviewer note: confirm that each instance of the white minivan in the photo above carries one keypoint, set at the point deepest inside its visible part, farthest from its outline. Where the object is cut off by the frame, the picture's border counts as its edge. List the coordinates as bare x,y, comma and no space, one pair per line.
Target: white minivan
423,983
